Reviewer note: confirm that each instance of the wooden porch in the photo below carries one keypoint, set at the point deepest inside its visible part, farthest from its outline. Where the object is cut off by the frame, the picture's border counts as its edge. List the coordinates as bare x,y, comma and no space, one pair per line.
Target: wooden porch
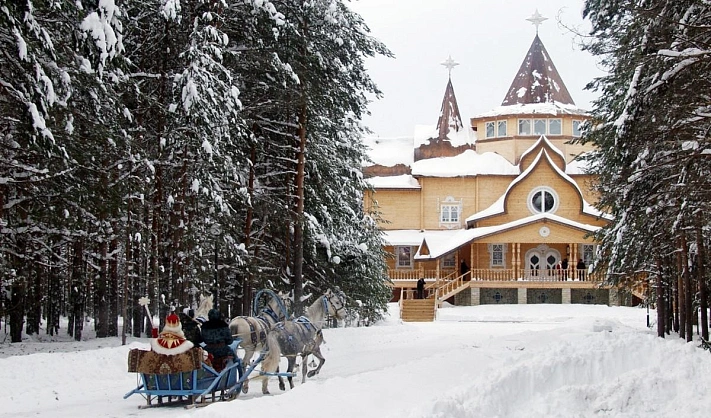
495,275
438,290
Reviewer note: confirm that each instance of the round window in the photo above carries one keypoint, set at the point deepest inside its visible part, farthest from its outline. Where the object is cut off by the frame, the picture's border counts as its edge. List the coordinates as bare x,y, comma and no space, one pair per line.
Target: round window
543,200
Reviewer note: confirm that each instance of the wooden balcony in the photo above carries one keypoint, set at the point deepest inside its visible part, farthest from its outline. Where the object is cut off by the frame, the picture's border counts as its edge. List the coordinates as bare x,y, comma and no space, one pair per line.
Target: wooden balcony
407,278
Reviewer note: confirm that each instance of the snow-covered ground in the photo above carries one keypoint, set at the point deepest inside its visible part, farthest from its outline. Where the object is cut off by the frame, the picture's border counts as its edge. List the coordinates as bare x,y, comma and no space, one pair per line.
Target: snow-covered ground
486,361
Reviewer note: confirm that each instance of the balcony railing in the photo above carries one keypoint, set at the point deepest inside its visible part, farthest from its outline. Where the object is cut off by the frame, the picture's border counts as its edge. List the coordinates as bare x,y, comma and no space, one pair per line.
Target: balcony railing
402,274
499,275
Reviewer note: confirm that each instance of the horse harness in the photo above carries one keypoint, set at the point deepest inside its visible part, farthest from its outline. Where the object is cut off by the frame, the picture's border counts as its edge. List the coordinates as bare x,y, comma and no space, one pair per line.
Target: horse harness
257,333
307,330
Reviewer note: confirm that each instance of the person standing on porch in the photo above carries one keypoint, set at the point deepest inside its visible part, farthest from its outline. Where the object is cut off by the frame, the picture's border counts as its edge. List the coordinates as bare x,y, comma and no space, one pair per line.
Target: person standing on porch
581,269
464,269
421,288
564,266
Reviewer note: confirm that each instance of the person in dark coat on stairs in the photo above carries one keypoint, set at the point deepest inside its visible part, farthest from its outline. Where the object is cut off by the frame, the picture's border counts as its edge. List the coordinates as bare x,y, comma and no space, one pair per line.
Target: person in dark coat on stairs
217,338
421,288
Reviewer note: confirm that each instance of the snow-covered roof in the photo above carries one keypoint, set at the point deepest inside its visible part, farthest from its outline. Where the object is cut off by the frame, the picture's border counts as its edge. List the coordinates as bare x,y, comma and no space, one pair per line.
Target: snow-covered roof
498,206
404,181
577,166
439,243
389,152
543,139
468,163
404,236
551,108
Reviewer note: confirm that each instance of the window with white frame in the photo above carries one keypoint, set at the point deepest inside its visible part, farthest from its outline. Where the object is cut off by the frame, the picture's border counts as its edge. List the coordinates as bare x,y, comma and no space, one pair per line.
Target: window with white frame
543,200
497,255
490,129
576,127
524,126
495,129
449,213
404,256
448,261
540,126
588,253
501,128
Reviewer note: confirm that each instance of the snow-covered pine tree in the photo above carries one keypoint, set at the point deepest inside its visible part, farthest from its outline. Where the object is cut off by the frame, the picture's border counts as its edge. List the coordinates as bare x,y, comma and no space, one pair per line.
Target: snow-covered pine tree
34,87
651,130
325,45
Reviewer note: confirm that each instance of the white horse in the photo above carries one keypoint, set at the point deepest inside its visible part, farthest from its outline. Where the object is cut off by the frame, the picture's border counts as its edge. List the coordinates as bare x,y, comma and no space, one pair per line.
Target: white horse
203,308
302,336
252,330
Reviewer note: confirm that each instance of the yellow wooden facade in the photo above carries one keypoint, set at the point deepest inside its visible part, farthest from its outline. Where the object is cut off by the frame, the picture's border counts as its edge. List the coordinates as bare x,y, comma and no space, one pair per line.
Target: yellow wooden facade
514,228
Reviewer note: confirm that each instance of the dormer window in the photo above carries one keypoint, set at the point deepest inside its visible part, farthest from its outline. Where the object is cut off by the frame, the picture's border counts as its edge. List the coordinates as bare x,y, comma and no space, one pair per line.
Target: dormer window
540,127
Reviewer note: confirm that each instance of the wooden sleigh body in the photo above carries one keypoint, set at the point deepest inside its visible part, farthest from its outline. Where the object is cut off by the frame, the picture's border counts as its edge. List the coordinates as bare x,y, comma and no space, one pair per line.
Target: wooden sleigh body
183,378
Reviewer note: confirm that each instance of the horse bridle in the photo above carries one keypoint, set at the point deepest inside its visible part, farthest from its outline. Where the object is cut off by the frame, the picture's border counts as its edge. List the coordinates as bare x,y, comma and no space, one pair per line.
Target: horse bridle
327,298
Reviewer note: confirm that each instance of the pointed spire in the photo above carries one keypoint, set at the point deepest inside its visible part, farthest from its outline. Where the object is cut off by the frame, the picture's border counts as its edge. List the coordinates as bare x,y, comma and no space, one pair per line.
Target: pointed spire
449,117
537,81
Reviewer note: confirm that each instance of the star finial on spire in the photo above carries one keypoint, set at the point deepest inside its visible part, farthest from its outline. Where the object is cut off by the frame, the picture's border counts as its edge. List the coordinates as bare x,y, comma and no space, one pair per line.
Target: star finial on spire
449,64
537,19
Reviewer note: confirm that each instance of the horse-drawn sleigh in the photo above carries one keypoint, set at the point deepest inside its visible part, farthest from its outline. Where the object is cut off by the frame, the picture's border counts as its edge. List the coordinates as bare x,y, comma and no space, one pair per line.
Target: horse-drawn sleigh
187,379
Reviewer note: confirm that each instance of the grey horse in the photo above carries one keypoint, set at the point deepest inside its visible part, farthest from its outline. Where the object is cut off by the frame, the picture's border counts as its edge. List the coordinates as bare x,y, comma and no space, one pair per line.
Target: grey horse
301,336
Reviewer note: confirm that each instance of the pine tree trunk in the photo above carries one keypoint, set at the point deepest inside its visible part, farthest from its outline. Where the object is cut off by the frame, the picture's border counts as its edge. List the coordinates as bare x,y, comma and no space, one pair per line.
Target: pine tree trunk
299,219
76,299
101,294
113,285
249,218
17,309
680,307
701,276
661,316
154,286
54,297
33,297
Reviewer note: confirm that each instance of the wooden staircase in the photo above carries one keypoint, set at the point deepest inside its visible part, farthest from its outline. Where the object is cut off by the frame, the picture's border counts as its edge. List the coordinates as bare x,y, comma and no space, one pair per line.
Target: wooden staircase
418,310
425,310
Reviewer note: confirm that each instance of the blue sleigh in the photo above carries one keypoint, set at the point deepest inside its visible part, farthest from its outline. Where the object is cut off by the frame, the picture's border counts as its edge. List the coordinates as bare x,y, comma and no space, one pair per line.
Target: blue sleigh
184,378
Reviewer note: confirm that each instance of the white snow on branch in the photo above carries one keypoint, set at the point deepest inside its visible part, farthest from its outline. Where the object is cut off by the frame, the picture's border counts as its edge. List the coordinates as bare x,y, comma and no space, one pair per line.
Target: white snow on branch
21,45
171,10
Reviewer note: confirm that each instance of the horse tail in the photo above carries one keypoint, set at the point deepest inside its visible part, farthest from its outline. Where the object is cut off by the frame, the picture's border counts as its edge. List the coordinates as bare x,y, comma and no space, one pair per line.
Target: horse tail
271,361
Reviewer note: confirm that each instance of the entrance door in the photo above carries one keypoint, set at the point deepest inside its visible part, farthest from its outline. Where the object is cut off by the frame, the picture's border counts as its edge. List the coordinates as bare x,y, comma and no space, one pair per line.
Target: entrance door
541,262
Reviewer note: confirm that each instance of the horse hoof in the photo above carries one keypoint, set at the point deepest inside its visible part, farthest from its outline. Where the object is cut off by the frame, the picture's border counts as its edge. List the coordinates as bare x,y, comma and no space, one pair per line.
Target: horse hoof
311,373
245,389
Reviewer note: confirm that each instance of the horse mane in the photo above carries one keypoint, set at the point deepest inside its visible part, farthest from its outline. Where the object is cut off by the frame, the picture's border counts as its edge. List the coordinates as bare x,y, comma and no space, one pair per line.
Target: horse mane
204,307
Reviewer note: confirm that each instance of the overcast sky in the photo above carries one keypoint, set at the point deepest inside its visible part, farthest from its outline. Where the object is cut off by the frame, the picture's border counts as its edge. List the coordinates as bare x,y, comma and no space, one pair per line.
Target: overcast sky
488,38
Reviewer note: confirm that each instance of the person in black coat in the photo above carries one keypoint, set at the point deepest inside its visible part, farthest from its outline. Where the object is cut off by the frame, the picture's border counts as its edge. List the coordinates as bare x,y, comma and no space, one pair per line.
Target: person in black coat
217,338
190,326
564,267
581,269
421,288
464,269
